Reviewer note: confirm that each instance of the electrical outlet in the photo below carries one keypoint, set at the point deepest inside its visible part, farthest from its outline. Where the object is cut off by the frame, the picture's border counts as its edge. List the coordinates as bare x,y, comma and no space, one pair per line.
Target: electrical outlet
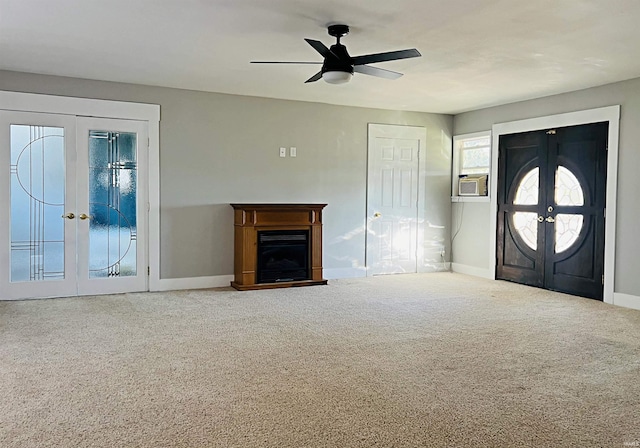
283,152
293,151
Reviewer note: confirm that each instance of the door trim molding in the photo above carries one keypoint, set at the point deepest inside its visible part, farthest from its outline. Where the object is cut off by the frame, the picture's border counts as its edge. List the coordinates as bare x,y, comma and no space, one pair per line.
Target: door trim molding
87,107
609,114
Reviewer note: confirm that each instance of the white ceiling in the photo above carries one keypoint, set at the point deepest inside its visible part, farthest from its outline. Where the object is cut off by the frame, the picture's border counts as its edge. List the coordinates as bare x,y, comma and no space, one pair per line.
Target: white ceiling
476,53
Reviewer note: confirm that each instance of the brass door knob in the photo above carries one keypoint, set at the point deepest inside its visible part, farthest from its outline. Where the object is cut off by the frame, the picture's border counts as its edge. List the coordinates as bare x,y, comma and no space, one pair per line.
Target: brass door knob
550,219
84,216
69,216
377,214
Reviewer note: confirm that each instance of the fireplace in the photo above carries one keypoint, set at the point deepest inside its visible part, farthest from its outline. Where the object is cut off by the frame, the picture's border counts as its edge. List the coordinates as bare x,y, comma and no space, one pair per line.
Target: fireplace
283,256
277,245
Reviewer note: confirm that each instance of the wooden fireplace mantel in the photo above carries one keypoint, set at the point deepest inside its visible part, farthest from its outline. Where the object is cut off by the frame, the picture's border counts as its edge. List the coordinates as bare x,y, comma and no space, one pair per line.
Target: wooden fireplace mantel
249,219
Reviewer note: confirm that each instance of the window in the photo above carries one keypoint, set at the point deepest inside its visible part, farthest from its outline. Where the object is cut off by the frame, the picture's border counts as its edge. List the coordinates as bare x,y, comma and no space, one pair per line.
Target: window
471,156
567,191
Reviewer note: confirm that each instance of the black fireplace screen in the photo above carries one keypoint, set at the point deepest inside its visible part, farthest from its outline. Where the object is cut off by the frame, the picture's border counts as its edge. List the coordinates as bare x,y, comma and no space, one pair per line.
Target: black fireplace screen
283,256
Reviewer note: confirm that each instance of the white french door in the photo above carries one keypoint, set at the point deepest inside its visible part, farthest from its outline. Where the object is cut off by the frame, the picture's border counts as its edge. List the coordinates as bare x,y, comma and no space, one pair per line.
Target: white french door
112,199
76,205
37,153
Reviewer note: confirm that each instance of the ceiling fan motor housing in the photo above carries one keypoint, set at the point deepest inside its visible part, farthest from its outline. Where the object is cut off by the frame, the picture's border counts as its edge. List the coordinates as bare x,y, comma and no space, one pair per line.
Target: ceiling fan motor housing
341,64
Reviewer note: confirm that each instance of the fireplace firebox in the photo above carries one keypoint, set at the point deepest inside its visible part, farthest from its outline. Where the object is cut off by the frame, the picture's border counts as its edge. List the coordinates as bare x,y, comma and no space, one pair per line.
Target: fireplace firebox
277,245
283,256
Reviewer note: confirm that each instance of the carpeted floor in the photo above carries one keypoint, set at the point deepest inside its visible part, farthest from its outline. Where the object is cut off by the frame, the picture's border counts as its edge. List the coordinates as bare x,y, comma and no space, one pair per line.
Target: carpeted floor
426,360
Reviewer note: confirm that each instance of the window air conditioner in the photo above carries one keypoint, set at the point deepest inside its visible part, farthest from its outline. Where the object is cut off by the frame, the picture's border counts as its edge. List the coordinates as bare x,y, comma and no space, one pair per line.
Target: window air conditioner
473,185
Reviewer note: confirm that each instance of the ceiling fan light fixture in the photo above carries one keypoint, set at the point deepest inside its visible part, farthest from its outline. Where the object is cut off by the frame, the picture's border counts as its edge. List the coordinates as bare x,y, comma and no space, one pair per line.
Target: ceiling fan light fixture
337,77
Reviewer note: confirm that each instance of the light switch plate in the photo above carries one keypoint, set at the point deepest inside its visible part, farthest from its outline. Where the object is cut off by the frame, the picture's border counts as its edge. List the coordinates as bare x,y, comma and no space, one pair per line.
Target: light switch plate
283,152
293,151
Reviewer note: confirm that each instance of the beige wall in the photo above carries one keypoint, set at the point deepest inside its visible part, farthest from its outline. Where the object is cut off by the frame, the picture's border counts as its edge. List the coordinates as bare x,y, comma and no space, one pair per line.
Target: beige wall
471,246
217,149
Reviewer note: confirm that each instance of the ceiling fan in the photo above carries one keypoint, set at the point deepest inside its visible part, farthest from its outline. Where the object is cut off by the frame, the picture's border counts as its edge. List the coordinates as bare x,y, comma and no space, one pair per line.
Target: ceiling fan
338,66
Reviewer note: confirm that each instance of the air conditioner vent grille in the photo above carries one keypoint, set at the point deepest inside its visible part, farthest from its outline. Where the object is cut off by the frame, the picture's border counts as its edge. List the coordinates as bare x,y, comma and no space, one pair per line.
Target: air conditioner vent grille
473,186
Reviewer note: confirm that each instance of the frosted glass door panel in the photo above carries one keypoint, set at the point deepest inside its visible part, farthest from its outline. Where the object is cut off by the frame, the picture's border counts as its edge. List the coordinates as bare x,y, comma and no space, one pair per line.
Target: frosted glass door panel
112,204
37,203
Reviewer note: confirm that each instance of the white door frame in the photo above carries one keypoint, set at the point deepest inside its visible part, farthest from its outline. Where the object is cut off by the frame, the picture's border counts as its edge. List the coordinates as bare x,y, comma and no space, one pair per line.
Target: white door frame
409,132
84,107
610,114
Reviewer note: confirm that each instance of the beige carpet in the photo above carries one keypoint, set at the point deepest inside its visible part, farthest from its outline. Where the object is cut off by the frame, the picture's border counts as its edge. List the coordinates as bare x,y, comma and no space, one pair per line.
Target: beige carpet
428,360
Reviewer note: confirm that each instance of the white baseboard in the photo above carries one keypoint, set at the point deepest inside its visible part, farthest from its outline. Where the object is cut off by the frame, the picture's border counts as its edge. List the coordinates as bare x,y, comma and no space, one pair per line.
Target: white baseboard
626,300
344,273
443,266
170,284
217,281
362,271
471,270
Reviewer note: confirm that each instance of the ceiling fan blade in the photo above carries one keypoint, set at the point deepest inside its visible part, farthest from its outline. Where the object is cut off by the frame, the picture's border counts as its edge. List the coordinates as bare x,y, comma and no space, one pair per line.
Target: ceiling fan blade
388,56
283,62
314,78
375,71
321,48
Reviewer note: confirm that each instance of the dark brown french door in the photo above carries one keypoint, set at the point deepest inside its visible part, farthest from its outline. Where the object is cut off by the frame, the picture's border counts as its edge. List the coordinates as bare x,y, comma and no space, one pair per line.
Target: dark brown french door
551,208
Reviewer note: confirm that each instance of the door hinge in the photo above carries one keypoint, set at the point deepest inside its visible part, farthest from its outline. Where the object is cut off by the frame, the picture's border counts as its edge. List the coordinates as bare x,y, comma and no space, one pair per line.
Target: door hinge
148,270
604,212
603,279
551,132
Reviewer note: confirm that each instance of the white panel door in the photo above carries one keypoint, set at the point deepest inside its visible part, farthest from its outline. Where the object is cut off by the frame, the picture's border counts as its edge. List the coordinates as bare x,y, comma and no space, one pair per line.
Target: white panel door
75,191
392,202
